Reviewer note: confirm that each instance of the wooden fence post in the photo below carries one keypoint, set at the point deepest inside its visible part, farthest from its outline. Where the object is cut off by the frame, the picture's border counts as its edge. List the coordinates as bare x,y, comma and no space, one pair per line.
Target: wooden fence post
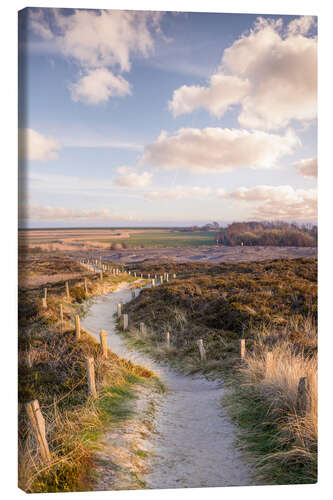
67,289
174,275
44,303
303,397
119,310
161,280
153,283
38,424
104,345
268,361
85,286
242,349
142,329
101,275
148,276
91,377
167,338
124,322
45,293
77,327
202,350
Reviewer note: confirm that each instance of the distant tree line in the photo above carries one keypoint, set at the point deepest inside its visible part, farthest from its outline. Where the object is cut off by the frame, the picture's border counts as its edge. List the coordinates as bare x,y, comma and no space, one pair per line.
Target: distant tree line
268,234
213,226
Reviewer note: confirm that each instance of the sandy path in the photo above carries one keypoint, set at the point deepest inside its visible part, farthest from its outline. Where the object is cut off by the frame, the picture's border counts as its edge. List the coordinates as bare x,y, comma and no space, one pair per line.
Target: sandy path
193,444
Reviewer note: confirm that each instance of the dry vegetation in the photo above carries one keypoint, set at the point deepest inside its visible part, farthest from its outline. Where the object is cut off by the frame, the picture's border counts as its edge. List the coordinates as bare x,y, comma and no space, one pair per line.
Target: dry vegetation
273,305
52,370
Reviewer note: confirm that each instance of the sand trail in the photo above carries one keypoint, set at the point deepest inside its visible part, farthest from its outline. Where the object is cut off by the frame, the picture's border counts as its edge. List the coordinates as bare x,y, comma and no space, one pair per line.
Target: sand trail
193,442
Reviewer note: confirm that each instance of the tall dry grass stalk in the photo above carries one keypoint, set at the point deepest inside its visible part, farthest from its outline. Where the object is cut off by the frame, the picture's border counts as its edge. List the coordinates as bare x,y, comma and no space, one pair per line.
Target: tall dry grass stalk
276,380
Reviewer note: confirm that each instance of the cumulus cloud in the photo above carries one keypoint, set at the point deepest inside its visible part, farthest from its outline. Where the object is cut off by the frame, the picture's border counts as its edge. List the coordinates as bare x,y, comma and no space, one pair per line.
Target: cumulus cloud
34,146
179,192
218,150
222,92
98,86
38,212
307,167
98,39
278,202
282,67
271,71
132,179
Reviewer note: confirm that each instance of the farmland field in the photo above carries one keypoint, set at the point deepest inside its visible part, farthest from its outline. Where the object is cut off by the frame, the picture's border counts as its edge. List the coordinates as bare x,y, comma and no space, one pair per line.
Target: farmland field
73,239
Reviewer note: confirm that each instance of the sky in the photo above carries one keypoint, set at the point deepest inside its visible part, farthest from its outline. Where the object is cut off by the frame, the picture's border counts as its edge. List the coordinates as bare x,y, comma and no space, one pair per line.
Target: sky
132,118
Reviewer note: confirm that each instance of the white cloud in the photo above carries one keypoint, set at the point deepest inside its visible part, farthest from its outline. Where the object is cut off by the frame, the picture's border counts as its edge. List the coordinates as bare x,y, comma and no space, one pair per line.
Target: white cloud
98,86
271,71
222,92
282,67
307,167
34,146
45,213
39,24
179,192
301,25
218,150
278,202
99,39
132,179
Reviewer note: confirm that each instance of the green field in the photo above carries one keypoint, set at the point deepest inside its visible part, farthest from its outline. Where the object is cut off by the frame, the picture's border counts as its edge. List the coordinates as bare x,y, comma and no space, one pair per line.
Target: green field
164,239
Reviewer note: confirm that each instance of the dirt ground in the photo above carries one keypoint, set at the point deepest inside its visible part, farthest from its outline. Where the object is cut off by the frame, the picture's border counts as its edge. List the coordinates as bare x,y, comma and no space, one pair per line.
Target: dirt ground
207,254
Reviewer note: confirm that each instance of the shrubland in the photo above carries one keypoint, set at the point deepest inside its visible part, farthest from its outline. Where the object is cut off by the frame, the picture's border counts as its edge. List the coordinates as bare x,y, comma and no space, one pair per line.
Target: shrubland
51,368
273,305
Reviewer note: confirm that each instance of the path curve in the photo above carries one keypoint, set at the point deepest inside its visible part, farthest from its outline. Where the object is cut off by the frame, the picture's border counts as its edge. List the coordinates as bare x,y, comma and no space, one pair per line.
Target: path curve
194,441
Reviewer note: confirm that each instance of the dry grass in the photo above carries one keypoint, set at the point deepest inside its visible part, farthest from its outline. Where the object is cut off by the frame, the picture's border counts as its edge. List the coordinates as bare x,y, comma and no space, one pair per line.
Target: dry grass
289,454
52,370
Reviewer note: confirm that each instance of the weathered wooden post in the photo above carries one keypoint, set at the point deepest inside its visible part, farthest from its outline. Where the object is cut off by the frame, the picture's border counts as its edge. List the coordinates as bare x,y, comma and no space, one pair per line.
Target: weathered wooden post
134,274
153,282
77,327
174,275
142,329
38,425
268,361
67,289
104,345
303,397
166,277
161,280
167,339
202,350
90,369
44,303
85,286
148,276
101,275
141,275
45,293
242,349
124,321
119,310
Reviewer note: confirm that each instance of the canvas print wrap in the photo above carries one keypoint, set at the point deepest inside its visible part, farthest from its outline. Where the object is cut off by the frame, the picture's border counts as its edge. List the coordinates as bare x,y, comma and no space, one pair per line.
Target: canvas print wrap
167,250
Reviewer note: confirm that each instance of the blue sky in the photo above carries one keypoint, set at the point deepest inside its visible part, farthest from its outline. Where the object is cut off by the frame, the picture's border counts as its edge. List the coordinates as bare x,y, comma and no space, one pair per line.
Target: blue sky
233,95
